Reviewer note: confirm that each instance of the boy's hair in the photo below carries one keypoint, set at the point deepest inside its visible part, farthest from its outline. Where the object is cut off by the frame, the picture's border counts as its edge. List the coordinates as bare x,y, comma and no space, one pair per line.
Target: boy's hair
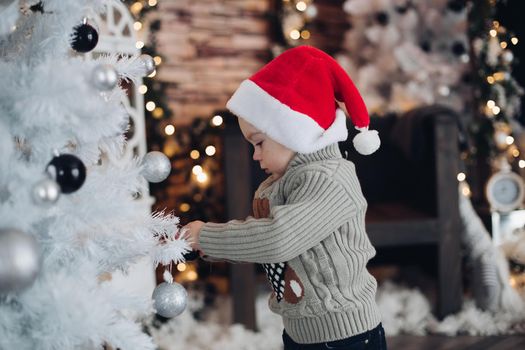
293,100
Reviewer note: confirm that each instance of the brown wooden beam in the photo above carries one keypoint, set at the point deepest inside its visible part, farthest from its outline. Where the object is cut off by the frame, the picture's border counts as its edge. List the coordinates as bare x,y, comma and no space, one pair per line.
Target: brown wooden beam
238,199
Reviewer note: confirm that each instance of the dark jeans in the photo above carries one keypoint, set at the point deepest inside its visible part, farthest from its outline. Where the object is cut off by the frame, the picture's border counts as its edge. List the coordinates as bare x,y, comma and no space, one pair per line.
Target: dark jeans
371,340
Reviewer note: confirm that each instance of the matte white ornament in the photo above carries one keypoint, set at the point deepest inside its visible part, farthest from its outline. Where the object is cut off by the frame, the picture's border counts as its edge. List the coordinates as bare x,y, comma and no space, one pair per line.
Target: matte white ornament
19,260
170,299
104,77
148,64
46,192
156,167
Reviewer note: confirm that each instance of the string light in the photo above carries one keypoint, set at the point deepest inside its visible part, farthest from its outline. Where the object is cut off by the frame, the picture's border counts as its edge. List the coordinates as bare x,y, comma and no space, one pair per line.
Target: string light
298,15
509,140
170,148
496,110
217,120
499,76
152,2
143,89
169,129
184,207
136,7
503,44
461,177
301,6
202,177
514,41
137,25
465,189
311,11
150,106
157,113
158,60
195,154
139,44
192,276
491,104
521,163
305,34
197,169
210,150
490,79
515,153
181,267
493,33
512,281
153,74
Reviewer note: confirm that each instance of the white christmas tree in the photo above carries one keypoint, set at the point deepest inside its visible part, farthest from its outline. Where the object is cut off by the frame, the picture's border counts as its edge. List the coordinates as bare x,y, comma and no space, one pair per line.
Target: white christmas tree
404,54
70,214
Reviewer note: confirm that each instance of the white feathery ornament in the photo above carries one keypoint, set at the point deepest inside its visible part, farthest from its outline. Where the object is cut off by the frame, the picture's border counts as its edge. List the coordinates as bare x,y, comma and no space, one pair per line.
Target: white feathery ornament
367,141
167,276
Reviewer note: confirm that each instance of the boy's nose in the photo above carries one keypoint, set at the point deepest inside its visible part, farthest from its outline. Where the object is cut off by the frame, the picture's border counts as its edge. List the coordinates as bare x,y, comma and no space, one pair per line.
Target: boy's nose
256,155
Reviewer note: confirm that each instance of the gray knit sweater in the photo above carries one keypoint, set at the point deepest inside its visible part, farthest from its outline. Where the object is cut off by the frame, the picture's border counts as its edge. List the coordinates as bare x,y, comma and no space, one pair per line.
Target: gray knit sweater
308,231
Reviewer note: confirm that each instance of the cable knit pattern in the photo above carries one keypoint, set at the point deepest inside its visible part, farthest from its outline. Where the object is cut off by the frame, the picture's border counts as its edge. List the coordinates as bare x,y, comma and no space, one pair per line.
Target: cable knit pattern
316,225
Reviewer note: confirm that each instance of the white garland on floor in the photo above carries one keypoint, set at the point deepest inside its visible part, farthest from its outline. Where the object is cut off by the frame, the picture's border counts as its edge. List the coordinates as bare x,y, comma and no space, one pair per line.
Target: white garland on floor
403,310
407,311
186,333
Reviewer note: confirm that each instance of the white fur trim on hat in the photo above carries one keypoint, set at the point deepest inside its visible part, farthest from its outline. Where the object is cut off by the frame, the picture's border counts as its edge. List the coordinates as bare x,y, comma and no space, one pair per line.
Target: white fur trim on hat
293,129
367,141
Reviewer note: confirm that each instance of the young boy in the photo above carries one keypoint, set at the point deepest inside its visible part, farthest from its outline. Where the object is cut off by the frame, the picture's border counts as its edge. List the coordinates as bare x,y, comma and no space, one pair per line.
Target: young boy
308,227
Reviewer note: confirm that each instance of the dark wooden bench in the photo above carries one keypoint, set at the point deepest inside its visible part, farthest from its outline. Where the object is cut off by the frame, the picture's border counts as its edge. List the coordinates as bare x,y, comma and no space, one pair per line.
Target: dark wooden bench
410,185
411,188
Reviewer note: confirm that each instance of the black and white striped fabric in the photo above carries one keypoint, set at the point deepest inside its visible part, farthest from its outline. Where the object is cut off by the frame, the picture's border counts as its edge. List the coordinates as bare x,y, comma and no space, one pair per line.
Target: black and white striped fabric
275,274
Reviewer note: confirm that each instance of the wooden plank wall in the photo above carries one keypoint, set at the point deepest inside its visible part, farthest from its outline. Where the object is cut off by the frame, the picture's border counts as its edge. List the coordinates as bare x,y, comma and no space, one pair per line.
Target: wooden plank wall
209,46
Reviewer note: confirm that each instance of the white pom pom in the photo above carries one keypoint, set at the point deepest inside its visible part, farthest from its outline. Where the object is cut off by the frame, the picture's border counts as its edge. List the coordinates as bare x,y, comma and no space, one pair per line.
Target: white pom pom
367,141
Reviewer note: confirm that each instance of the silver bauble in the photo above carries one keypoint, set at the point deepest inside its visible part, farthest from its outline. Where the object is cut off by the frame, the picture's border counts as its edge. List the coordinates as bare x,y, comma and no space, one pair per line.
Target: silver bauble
169,299
104,77
148,64
19,260
46,192
156,166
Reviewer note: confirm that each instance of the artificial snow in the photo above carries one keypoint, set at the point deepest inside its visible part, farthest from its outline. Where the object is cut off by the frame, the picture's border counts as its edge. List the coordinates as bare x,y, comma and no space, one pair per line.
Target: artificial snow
404,311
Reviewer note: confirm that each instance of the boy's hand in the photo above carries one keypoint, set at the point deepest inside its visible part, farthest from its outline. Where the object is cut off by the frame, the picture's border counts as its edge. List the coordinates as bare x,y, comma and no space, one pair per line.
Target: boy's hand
192,233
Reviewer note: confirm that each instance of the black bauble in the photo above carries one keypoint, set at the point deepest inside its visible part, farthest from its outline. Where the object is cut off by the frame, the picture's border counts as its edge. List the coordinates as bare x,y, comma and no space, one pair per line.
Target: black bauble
456,5
191,255
458,48
425,46
38,7
402,9
382,18
68,171
84,38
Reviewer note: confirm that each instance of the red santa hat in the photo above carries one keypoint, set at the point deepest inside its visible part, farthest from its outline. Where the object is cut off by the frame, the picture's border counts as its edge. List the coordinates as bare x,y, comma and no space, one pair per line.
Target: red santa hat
293,100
